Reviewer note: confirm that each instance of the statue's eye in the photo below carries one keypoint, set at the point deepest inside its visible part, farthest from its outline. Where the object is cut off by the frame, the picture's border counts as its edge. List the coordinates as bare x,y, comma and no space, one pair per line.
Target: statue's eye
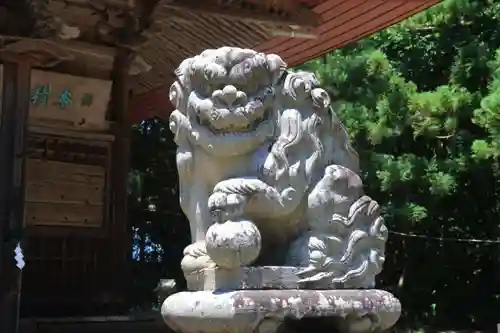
206,88
247,66
269,91
259,98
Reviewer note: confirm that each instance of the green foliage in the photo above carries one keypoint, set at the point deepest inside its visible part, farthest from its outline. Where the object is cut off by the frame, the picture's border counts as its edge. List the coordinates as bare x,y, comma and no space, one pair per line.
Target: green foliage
160,229
422,104
488,115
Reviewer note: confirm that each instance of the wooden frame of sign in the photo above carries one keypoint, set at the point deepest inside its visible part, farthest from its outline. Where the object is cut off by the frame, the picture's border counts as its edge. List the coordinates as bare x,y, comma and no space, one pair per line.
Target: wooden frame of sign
68,102
64,115
69,151
76,260
67,184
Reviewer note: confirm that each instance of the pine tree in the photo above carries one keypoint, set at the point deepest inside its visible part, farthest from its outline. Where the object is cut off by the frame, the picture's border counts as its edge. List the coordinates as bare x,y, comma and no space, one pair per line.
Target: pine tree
421,101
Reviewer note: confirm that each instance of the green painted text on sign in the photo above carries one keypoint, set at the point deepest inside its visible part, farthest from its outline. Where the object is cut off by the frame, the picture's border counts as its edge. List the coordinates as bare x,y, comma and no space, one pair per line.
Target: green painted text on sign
65,98
40,94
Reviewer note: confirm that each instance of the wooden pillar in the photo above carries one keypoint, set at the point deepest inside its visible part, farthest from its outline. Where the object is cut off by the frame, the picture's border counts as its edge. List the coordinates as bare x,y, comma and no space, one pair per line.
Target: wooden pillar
13,129
120,164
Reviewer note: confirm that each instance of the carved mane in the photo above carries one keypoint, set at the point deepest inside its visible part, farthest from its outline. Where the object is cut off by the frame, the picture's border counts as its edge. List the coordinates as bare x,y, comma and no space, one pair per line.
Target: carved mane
307,115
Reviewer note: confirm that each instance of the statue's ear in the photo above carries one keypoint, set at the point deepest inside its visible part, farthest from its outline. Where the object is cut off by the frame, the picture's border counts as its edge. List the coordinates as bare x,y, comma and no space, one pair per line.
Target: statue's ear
282,78
276,66
182,72
321,98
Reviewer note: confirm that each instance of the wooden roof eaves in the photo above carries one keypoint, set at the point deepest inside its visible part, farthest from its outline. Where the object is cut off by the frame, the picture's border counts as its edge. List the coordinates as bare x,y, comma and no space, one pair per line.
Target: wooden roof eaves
374,21
180,34
299,17
150,104
327,10
159,105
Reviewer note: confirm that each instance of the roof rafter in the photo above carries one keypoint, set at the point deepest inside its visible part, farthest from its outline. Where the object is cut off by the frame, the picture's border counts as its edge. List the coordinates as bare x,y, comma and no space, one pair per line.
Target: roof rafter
279,15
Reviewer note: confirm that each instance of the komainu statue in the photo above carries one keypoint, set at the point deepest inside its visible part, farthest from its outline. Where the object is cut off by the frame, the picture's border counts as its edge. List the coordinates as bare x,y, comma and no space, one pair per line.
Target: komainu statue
270,185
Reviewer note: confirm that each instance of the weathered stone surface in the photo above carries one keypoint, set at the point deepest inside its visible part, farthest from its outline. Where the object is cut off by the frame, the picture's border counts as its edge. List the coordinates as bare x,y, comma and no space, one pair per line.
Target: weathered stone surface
271,311
267,176
262,277
233,243
265,168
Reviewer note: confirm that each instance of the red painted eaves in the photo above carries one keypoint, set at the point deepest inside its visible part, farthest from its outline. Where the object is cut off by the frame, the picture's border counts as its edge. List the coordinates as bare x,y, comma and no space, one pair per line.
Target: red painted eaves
348,21
344,21
153,103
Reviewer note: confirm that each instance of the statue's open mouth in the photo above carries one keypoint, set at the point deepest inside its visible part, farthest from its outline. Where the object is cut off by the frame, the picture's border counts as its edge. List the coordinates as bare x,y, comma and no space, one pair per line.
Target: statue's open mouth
235,123
226,132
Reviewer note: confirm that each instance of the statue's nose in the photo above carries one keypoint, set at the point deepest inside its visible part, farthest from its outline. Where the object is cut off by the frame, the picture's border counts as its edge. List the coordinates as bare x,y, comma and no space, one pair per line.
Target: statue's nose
229,94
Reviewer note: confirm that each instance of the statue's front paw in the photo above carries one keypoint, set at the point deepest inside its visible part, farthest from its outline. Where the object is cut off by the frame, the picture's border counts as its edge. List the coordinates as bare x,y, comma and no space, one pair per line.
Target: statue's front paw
216,204
195,260
225,206
197,249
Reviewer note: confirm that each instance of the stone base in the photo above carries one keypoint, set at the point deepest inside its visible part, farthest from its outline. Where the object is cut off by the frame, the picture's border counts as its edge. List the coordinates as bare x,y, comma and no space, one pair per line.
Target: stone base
261,277
281,311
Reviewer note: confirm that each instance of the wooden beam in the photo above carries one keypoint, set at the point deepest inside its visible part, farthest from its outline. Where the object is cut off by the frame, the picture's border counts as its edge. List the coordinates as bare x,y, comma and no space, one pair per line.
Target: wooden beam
90,60
68,57
91,136
296,18
38,52
293,34
101,4
13,129
120,228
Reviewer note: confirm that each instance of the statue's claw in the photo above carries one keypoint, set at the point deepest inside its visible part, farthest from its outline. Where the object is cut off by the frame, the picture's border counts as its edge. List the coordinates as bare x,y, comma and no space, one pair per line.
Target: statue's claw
216,202
217,215
225,207
197,249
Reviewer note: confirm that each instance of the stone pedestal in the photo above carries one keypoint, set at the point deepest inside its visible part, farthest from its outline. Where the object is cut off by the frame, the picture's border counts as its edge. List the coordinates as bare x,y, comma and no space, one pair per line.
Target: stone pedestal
261,277
281,311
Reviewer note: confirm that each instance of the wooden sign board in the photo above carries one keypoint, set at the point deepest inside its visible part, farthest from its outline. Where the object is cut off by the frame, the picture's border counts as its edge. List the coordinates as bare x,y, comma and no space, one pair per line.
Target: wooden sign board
67,101
64,194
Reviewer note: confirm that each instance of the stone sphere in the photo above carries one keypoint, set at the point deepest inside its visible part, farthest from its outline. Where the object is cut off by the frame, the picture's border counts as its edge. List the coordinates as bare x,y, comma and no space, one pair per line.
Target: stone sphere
233,243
